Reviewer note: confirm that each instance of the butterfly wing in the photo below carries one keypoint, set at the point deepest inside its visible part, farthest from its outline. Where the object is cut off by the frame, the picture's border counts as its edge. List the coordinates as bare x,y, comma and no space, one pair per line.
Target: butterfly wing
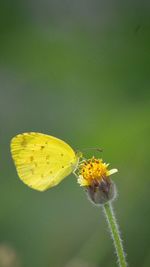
41,160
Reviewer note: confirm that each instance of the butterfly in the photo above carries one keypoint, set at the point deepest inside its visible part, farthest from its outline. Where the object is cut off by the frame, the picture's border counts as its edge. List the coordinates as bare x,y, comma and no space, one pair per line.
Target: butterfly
42,161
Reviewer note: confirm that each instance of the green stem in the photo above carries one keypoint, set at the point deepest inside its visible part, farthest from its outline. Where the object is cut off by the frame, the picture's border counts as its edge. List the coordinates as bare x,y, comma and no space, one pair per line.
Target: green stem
113,227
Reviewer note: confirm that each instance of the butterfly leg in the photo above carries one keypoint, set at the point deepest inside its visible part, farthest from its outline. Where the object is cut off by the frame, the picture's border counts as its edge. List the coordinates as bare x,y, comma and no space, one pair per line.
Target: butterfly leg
76,175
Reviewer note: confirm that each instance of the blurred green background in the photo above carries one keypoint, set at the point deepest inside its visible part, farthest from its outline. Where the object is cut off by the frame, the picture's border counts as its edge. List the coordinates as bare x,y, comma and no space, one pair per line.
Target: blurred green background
78,70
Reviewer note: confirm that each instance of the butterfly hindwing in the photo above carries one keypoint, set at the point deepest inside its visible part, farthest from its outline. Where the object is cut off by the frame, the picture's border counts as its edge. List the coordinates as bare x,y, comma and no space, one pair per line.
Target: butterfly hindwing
41,160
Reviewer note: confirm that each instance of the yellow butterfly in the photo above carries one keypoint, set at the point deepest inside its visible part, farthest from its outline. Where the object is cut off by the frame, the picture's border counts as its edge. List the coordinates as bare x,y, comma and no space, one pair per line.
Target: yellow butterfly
42,161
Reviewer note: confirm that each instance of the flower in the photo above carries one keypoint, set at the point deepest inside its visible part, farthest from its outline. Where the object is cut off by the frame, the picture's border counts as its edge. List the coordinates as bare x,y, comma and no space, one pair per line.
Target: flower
93,172
94,176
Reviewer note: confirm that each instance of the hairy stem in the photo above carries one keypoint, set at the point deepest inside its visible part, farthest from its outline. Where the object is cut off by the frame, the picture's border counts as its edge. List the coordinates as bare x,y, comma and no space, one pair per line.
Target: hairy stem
115,234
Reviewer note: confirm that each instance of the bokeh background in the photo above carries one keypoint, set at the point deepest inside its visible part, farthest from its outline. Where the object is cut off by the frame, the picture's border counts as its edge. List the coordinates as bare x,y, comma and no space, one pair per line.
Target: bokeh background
78,70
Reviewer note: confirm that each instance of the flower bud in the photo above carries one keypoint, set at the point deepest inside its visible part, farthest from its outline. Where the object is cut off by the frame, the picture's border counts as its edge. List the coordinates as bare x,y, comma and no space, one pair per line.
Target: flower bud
100,193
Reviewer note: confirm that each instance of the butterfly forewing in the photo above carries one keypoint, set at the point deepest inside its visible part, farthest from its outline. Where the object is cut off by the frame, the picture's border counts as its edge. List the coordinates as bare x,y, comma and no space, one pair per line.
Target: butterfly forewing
42,161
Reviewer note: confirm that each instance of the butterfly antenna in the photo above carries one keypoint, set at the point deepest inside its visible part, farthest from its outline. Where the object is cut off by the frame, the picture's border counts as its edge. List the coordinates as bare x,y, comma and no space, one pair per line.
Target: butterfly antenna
93,148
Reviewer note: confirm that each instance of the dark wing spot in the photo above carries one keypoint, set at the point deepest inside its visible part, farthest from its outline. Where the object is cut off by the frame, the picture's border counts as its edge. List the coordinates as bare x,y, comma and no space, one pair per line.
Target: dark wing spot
23,142
47,162
62,167
50,172
31,158
62,154
42,147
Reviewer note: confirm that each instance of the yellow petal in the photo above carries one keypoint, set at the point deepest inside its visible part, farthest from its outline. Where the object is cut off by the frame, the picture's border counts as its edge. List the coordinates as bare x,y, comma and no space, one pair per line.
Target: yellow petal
82,181
112,171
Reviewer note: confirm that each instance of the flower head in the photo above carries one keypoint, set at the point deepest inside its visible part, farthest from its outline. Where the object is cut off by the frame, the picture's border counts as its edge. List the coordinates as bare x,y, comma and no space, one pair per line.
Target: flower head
93,172
94,177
